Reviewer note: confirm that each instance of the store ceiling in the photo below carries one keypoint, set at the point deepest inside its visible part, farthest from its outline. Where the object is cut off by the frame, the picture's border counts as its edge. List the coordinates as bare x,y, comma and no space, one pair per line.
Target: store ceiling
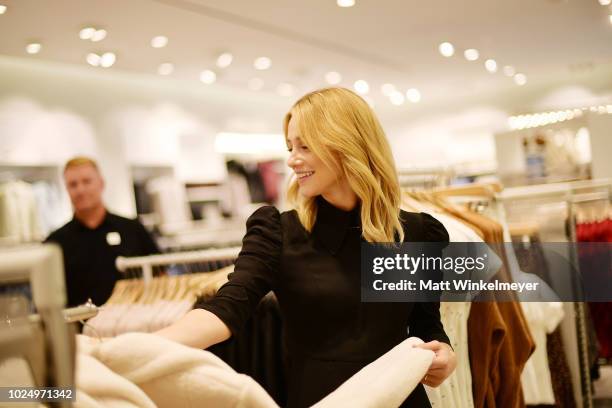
386,41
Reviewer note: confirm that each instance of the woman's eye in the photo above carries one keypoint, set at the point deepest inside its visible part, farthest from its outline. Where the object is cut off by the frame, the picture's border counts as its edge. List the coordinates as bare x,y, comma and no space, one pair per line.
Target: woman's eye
304,147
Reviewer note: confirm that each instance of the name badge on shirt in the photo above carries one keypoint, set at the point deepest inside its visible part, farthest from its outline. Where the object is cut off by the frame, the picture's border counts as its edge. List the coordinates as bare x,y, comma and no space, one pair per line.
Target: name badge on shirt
113,238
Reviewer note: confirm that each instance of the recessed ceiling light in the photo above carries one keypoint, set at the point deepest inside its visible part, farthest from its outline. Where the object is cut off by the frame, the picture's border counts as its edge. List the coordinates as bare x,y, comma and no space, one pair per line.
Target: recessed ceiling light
159,41
387,89
208,77
255,84
397,98
446,49
93,59
87,33
262,63
224,60
345,3
509,70
413,95
2,9
33,48
520,79
333,78
98,35
285,89
361,86
491,65
165,69
471,54
605,2
107,59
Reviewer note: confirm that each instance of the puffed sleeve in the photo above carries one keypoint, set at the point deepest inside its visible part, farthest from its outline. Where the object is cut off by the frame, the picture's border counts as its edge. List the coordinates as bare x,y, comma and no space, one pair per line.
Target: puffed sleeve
255,270
425,320
433,230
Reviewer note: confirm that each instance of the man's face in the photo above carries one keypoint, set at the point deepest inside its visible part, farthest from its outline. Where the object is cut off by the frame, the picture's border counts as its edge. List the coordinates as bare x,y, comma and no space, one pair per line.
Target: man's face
85,185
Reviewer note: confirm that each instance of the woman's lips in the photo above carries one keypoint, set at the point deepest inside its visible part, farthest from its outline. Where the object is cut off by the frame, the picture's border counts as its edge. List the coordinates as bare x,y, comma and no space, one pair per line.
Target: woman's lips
303,176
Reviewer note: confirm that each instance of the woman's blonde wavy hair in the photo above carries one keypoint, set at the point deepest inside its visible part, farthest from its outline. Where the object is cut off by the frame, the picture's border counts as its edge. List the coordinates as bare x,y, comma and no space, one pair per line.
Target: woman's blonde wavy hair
340,128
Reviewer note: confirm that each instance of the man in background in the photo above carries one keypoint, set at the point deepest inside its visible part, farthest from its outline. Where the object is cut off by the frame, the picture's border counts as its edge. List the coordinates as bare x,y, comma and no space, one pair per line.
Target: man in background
94,238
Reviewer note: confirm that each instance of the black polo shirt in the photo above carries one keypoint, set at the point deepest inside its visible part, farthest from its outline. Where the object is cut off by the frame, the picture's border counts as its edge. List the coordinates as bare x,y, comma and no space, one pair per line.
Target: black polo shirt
90,254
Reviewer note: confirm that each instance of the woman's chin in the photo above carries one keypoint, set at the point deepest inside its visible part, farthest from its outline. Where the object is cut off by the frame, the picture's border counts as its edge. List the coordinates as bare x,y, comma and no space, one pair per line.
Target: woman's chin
308,193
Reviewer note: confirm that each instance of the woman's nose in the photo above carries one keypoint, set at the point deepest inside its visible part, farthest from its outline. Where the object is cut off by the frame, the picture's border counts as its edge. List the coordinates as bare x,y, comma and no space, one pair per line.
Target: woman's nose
293,160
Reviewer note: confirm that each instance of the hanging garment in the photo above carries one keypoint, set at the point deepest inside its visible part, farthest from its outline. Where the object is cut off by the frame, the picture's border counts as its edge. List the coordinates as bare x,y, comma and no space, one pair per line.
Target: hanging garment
542,318
53,210
19,219
485,322
592,258
271,179
496,378
532,259
456,390
561,377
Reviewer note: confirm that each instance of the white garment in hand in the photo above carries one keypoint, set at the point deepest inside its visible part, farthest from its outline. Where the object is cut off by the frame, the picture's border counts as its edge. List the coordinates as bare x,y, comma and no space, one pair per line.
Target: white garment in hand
98,387
386,382
173,375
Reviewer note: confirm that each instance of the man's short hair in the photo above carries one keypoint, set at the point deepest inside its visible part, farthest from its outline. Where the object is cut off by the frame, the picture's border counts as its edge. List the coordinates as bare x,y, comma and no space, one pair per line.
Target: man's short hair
80,161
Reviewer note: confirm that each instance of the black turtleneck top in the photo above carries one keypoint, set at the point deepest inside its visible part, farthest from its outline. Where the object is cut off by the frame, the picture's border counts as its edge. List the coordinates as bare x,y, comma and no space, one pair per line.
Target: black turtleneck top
329,333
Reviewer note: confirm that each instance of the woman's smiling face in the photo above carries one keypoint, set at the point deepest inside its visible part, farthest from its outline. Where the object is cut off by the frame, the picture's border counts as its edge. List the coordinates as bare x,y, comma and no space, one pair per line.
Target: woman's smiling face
313,176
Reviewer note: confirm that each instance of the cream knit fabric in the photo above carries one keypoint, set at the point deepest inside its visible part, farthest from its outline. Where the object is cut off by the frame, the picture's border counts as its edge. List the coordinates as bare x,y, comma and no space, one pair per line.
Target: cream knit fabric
146,370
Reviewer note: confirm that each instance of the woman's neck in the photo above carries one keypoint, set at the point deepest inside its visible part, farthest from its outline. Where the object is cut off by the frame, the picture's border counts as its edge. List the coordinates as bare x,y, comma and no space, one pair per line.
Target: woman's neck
342,197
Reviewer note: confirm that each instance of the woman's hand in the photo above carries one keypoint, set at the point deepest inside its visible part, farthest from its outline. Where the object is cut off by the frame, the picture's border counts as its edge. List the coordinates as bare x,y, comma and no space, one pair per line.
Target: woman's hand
443,364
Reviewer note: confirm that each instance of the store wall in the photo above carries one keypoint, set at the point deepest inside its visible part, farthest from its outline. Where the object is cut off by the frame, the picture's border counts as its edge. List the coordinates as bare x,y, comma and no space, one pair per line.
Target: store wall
462,139
50,112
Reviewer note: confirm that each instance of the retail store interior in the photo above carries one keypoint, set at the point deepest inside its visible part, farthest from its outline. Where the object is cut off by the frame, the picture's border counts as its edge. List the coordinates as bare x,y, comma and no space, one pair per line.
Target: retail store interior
501,107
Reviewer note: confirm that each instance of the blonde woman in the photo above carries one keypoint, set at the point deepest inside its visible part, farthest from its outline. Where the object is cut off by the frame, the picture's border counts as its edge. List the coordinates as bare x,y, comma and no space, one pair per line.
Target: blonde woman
345,190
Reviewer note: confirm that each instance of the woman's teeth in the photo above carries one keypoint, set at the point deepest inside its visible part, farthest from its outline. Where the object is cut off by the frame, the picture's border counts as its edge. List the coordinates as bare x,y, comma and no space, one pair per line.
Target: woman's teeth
305,174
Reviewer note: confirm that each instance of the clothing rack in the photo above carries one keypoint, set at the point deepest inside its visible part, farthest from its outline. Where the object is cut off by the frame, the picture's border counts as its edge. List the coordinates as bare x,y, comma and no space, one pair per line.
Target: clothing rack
256,350
203,236
581,319
571,193
425,177
73,314
146,263
585,198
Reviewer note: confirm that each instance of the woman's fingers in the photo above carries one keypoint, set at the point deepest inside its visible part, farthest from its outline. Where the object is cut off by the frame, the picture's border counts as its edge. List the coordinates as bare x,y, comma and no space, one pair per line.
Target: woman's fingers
431,345
433,380
442,364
